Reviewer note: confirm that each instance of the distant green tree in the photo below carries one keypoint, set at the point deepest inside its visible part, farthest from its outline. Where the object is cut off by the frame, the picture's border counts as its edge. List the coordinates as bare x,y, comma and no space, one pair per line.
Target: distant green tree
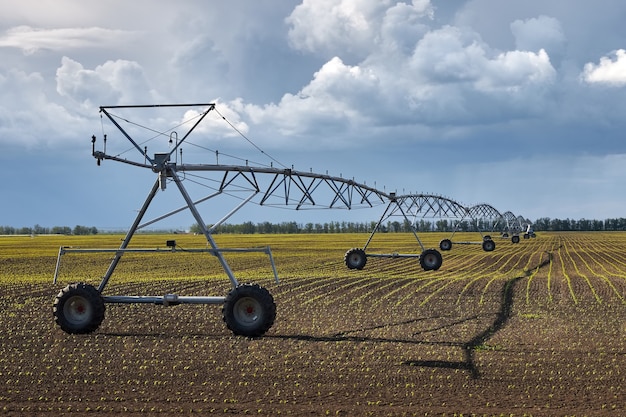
61,230
84,230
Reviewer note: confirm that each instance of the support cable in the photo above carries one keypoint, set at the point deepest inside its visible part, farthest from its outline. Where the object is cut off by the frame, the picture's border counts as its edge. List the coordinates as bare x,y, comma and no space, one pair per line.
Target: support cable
249,141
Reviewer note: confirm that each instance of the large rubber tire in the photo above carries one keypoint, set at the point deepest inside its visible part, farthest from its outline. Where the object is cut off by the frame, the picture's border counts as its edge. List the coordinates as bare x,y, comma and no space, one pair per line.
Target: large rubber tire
249,310
489,245
78,308
355,258
526,236
515,239
445,245
430,260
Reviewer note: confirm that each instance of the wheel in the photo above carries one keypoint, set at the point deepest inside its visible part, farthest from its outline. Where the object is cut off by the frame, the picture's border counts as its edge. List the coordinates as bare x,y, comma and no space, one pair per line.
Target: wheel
78,308
355,258
526,236
445,244
431,260
505,235
249,310
515,239
489,245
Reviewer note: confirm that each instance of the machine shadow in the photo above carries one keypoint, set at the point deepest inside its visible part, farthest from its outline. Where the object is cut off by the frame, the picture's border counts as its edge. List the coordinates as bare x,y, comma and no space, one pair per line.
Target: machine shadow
468,347
501,319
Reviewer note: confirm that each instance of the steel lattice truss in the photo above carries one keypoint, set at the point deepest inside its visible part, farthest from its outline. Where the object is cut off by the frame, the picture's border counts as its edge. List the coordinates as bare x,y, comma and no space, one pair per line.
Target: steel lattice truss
248,309
427,206
280,187
513,224
486,216
268,186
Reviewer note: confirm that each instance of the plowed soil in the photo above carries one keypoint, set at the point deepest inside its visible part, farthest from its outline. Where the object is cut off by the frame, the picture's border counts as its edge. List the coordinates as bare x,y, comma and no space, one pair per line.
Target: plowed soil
533,329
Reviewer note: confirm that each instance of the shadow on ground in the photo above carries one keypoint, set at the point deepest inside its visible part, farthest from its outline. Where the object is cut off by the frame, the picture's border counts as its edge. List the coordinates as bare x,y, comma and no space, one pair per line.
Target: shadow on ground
469,347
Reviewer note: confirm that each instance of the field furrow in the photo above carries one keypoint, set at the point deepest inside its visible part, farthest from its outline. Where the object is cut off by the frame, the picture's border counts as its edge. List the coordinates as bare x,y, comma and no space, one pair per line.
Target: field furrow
530,329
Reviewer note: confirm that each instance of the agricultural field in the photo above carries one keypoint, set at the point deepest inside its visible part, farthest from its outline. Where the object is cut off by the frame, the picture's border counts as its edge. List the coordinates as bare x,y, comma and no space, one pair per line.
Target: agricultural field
531,329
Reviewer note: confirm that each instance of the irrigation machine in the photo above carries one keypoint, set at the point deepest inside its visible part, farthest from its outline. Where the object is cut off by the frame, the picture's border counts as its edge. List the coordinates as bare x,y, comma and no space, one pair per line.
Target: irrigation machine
516,225
249,308
411,209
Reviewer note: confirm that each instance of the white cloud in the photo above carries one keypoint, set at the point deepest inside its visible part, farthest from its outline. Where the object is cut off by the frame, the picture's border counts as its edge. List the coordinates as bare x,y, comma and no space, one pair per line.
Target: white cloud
449,76
512,71
333,99
328,25
403,25
114,82
31,40
353,27
611,70
29,117
453,55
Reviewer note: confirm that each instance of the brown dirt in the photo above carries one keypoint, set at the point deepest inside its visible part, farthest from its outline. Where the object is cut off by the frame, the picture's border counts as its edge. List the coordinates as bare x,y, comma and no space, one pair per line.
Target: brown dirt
527,339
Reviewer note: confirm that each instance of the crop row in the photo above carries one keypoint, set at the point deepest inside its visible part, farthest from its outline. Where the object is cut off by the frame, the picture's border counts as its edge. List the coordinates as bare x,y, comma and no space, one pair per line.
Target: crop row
535,328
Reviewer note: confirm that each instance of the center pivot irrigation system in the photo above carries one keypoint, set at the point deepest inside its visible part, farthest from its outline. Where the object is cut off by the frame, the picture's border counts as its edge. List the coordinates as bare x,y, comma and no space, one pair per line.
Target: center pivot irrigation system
514,225
248,309
412,208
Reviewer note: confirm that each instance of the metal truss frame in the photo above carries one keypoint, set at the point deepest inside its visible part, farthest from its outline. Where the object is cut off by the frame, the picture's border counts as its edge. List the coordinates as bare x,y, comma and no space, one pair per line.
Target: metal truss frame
516,225
78,305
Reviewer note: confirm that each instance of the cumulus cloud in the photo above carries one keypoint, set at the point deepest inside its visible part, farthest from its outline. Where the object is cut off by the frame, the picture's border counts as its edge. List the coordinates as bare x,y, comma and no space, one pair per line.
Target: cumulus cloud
31,40
114,82
352,27
414,75
31,113
403,24
516,70
610,70
333,99
29,117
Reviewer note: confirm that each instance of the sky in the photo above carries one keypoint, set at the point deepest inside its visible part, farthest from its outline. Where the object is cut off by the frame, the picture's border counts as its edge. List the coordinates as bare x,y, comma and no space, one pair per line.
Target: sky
516,104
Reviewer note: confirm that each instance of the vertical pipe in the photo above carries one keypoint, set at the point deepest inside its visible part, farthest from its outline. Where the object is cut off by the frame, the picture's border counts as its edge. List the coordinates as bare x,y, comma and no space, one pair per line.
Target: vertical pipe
58,266
202,225
412,228
129,235
378,224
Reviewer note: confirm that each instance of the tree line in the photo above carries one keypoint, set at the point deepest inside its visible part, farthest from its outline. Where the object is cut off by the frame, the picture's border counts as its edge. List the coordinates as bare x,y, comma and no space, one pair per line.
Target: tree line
571,225
56,230
443,225
543,224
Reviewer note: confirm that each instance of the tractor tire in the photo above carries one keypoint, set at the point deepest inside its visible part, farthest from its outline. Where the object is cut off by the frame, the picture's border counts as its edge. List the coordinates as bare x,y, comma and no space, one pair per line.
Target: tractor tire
430,260
515,239
249,310
489,245
355,258
445,245
78,309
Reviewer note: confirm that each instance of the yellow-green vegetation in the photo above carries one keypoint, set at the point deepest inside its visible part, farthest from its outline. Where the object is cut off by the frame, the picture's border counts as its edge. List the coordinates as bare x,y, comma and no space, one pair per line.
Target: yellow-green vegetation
531,329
